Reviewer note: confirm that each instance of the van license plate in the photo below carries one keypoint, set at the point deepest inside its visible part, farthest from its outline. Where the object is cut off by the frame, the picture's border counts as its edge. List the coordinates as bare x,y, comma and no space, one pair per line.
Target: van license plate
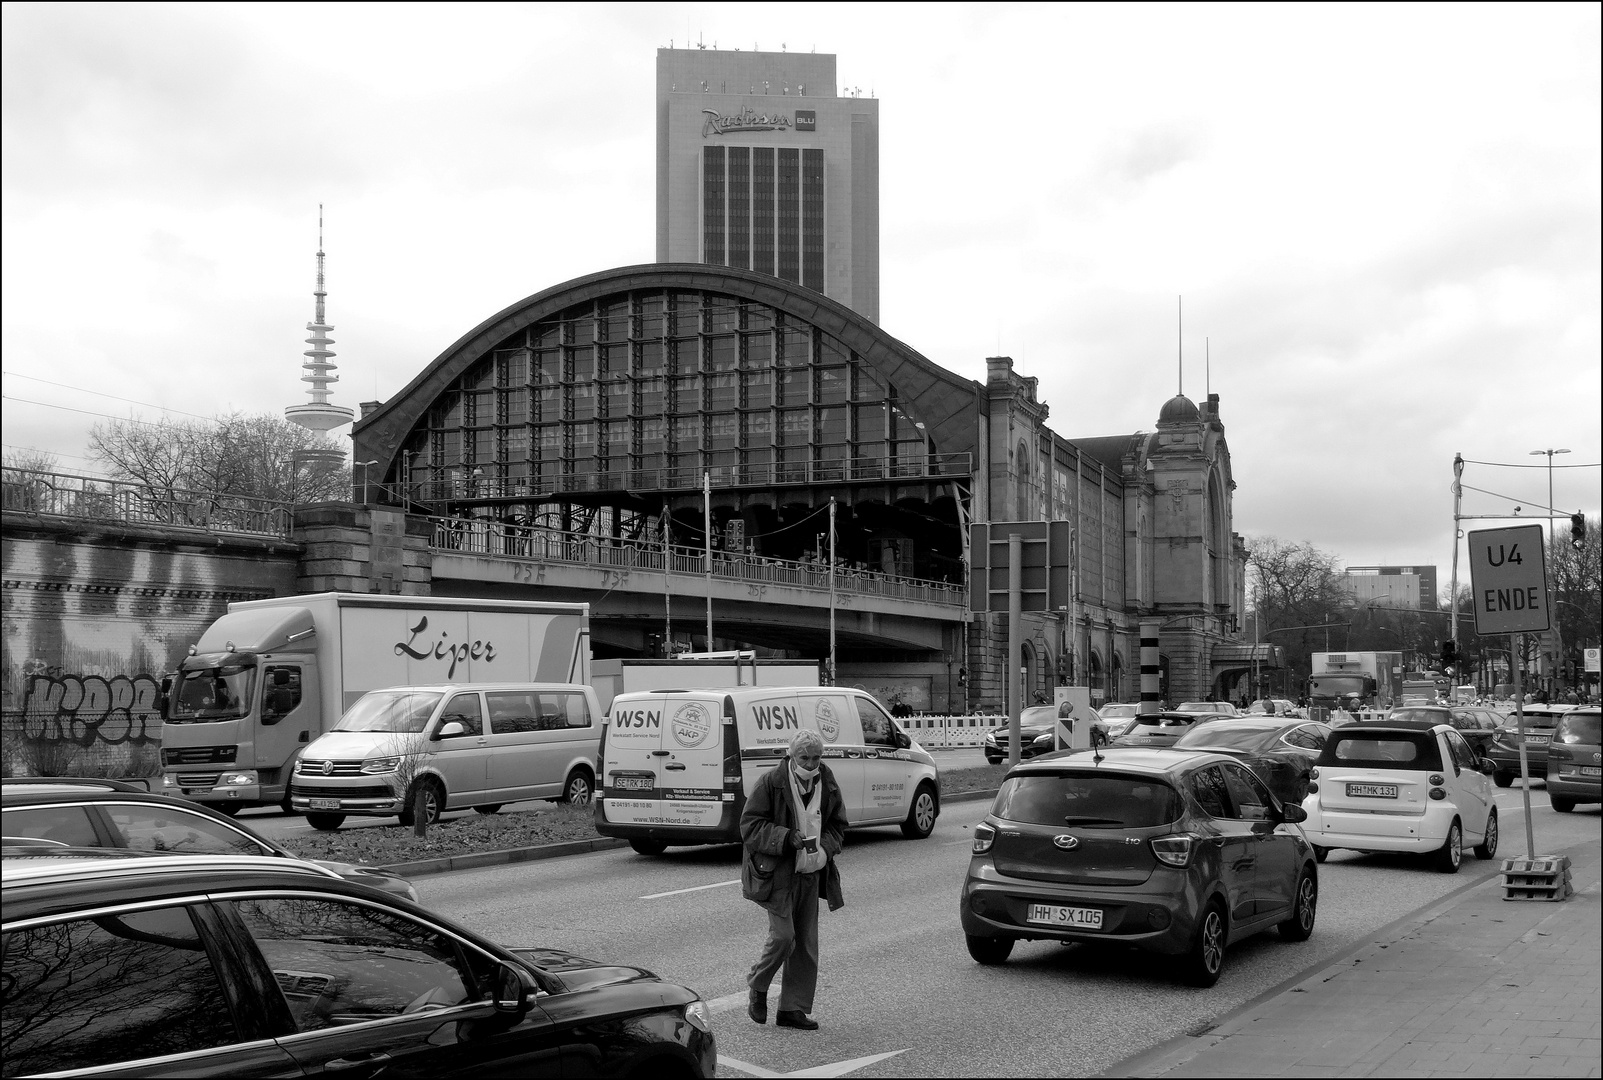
324,804
633,783
1372,791
1592,770
1075,918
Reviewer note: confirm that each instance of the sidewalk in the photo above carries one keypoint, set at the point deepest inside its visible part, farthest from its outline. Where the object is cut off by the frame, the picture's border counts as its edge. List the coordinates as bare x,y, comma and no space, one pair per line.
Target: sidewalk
1473,986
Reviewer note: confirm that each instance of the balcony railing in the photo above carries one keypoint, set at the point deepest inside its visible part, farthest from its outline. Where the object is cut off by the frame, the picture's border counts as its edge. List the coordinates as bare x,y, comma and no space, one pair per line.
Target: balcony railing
578,549
127,502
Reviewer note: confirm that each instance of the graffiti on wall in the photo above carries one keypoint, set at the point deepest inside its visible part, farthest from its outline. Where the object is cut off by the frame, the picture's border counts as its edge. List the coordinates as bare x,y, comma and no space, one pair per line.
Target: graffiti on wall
89,709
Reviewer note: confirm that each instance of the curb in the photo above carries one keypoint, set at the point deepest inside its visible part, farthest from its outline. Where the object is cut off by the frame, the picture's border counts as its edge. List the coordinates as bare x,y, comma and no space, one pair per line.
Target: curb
476,860
1178,1050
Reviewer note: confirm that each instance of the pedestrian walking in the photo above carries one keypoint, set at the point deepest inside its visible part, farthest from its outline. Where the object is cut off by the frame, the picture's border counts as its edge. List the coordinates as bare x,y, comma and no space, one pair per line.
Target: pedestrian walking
793,827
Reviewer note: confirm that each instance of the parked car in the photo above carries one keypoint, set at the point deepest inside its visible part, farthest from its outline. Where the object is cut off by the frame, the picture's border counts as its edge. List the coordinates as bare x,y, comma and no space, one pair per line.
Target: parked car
1478,726
1179,852
1282,751
1401,786
1161,729
89,813
1034,721
1575,760
246,966
1117,718
1215,708
1504,751
1272,707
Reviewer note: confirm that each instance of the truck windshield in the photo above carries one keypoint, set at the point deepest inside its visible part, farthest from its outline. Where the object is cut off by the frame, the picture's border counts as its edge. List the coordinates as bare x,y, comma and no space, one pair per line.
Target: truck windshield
216,693
402,711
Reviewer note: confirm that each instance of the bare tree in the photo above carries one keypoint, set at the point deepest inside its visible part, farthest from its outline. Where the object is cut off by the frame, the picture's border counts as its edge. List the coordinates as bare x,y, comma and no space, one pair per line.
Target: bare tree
1296,585
410,751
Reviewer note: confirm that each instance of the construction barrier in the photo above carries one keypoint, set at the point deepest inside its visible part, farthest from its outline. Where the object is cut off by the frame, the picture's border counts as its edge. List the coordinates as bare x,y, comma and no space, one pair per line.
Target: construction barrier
945,732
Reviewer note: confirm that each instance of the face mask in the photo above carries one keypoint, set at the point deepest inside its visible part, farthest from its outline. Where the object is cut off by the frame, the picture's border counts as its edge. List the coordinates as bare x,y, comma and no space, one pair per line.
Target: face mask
805,774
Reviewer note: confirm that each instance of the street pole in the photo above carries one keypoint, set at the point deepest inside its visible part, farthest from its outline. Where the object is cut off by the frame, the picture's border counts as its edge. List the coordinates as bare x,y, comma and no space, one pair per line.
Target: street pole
706,531
667,583
1552,544
1516,645
832,590
1458,505
1015,646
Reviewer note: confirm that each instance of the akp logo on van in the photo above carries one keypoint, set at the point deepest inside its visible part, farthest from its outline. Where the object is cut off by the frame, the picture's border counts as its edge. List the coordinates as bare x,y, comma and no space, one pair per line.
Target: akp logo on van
691,725
828,723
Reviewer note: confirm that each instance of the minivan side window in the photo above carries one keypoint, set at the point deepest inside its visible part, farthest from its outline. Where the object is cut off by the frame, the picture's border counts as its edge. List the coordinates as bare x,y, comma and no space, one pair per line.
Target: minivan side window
464,708
877,727
512,711
563,709
111,989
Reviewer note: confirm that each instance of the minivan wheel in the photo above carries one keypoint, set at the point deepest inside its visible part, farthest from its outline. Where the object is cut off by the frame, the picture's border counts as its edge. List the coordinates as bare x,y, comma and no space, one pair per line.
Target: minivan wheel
578,789
921,818
1562,804
1206,960
1304,906
487,808
1487,848
989,950
648,847
1502,778
325,822
433,803
1450,856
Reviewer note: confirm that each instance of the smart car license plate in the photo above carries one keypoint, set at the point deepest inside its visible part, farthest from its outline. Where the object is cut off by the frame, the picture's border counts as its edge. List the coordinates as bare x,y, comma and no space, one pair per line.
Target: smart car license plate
324,804
1372,791
1070,918
633,783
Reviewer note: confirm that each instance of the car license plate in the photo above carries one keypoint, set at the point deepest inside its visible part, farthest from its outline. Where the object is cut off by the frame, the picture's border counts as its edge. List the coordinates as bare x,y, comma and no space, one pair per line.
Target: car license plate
1074,918
324,804
1592,770
633,783
196,790
1372,791
1536,738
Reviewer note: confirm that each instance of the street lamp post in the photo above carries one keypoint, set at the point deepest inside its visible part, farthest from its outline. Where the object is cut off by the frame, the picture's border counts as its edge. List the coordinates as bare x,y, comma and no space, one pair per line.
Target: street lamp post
1552,543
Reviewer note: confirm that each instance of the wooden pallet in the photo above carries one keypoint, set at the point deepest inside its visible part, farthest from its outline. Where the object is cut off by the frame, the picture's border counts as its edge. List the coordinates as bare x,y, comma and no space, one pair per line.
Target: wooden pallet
1544,878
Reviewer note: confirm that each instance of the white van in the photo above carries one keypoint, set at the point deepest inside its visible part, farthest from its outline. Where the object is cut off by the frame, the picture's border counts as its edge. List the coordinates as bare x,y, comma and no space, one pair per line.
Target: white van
462,744
678,765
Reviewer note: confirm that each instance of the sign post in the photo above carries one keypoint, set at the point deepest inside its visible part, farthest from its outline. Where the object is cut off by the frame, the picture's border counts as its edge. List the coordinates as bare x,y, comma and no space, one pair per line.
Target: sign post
1508,572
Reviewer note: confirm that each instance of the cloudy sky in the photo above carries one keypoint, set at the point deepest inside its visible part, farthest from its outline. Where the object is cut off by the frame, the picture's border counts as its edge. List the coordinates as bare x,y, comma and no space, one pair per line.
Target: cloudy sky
1384,220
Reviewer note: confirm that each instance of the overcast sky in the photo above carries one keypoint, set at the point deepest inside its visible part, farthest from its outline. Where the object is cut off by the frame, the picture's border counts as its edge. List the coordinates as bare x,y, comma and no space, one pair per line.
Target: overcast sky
1384,220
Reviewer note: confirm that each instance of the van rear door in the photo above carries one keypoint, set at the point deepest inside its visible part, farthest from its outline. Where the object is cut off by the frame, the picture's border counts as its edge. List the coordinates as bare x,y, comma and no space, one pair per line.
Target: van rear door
664,758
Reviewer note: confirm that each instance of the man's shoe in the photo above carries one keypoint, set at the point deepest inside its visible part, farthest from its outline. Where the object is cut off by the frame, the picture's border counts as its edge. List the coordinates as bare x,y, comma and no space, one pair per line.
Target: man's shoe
796,1020
757,1006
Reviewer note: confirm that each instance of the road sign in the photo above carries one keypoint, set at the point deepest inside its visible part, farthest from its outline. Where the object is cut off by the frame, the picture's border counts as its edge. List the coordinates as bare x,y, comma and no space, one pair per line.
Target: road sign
1509,574
1045,555
1593,658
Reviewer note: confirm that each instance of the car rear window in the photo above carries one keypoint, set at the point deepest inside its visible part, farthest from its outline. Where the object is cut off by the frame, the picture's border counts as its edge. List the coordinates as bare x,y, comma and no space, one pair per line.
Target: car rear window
1094,801
1425,716
1357,748
1581,729
1237,736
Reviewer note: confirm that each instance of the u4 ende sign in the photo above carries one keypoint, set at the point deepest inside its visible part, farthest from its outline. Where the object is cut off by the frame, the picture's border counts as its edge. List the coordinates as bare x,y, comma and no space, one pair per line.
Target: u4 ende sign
1508,571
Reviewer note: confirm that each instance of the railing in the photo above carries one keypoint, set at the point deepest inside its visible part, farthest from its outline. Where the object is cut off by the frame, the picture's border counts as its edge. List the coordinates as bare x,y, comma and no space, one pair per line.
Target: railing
485,482
91,498
553,546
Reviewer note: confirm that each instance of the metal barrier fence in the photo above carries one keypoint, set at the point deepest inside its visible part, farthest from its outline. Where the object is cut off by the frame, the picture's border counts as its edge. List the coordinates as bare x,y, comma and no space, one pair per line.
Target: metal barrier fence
942,732
93,498
553,546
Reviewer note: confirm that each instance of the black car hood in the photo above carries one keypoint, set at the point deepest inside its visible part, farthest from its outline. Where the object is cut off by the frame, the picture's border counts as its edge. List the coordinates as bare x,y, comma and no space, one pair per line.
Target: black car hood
577,973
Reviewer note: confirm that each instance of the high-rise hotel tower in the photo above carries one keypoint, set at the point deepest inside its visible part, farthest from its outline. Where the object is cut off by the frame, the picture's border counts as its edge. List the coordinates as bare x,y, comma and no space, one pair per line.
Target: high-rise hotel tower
762,166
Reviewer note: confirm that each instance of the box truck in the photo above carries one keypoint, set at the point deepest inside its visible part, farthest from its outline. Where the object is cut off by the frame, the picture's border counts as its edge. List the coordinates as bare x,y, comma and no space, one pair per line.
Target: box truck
270,676
1369,680
705,671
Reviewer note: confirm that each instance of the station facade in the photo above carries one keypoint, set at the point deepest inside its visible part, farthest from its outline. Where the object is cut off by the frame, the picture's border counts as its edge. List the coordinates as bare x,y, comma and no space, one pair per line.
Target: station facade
603,407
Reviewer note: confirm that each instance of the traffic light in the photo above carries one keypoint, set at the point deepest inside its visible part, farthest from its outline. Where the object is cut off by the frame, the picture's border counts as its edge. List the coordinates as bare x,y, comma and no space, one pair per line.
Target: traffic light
1449,654
1577,530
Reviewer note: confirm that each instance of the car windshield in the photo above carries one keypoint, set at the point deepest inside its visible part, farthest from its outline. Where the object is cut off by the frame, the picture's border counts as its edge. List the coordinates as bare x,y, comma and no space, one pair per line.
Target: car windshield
1580,729
1038,715
1117,712
213,693
401,711
1237,736
1413,751
1093,801
1203,706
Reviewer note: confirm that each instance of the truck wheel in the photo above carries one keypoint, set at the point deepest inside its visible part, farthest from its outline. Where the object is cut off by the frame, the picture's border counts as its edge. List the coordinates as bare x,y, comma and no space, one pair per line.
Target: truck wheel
325,822
433,803
578,788
648,847
921,818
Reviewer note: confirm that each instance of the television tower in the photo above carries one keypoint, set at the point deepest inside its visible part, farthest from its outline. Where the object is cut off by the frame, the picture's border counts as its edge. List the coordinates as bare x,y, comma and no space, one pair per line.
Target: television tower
320,414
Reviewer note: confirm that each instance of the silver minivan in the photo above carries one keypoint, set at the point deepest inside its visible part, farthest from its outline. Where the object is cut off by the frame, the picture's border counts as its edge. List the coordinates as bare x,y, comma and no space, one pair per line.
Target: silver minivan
457,745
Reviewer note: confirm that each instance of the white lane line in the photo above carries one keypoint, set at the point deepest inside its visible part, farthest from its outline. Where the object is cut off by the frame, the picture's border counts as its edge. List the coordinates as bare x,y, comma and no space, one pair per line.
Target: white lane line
695,888
836,1068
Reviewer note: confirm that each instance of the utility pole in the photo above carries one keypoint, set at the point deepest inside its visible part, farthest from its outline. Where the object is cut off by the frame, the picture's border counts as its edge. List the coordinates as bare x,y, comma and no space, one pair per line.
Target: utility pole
1552,544
706,531
832,590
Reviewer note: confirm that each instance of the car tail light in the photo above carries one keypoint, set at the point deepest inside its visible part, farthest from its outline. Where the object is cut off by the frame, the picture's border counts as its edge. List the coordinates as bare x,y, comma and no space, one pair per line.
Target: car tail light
1437,779
984,837
1313,786
1174,850
1438,794
1313,774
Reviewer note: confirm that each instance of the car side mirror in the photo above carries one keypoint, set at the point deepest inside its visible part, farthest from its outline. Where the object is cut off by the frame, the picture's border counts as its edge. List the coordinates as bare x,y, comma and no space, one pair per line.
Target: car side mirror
1488,766
1293,815
903,740
450,730
513,989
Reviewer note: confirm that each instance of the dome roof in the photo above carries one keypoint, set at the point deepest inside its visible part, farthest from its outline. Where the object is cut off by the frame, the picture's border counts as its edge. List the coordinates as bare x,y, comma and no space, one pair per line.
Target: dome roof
1179,410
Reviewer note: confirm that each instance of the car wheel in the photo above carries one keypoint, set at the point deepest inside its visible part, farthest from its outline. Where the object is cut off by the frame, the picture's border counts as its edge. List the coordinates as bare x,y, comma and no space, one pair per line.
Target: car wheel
325,822
989,950
1562,804
1321,853
921,818
487,808
1206,960
1450,856
1487,848
648,847
1502,778
433,803
578,789
1304,906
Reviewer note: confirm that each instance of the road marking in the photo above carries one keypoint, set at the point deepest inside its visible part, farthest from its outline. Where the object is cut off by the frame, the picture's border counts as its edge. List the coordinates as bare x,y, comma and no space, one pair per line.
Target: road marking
837,1068
695,888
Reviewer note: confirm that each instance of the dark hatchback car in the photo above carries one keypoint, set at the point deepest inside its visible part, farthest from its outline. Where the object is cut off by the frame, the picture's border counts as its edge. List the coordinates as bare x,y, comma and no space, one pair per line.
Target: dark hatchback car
1281,752
1575,760
220,966
93,813
1178,852
1504,751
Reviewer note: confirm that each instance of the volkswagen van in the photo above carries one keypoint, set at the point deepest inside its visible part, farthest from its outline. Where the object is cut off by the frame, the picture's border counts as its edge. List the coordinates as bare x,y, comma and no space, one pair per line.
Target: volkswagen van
676,766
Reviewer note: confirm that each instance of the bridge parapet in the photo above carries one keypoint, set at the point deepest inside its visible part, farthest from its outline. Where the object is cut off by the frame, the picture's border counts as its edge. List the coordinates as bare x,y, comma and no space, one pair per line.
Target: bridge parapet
128,502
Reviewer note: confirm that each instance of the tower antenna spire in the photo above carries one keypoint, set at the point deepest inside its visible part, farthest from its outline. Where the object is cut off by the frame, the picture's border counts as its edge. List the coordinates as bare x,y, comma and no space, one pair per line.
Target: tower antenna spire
320,414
